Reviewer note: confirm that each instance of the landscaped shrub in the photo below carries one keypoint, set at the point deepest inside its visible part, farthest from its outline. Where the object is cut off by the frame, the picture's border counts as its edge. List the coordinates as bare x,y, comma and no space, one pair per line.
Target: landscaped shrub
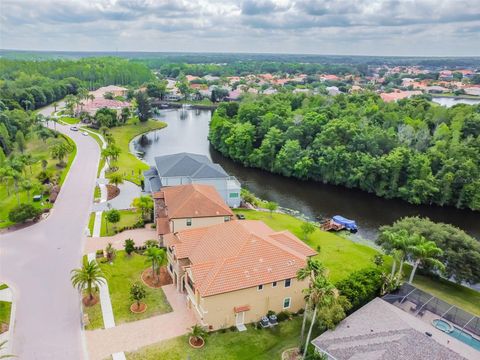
270,312
99,254
233,328
23,212
283,315
361,287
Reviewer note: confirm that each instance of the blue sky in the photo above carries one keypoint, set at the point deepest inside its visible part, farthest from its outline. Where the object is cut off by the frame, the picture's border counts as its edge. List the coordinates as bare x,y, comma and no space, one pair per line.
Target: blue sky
358,27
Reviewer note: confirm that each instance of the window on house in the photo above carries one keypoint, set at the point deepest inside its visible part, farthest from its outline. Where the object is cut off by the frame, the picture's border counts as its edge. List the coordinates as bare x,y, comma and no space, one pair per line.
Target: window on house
260,287
274,284
226,218
286,302
233,195
288,282
189,222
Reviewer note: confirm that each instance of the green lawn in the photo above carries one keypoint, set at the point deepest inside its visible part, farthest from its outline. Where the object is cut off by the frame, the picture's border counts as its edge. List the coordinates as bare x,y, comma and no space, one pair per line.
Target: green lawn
264,344
128,165
91,222
97,193
455,294
3,286
5,309
341,256
94,316
70,120
39,150
127,218
120,276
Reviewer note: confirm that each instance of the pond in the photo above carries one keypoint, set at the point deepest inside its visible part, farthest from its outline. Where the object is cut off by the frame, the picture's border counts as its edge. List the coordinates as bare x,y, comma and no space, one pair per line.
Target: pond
187,131
450,101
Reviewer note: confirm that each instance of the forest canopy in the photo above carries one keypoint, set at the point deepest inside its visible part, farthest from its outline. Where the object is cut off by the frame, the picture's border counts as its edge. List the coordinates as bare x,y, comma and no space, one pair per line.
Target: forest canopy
412,149
31,84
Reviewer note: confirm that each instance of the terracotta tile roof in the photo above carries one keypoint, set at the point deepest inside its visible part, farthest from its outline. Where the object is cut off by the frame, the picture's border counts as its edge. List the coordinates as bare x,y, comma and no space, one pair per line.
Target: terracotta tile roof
163,226
238,254
193,200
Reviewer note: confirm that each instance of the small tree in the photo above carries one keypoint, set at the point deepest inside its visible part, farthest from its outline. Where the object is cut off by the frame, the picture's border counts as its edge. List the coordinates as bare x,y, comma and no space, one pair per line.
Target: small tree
271,206
197,333
129,246
111,252
307,229
23,212
112,216
378,260
145,205
137,293
20,141
157,257
88,277
116,179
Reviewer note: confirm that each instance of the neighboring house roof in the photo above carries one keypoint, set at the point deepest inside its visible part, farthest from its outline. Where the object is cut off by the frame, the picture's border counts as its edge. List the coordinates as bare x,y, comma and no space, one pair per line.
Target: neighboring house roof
188,164
152,181
193,200
238,254
381,331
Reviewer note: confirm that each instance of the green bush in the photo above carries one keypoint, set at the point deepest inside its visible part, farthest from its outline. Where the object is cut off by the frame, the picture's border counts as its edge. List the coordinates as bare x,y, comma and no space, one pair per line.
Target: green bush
361,286
283,315
23,212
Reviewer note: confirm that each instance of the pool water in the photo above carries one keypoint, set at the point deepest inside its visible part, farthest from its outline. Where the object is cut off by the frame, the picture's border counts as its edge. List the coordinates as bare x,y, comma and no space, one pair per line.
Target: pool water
457,333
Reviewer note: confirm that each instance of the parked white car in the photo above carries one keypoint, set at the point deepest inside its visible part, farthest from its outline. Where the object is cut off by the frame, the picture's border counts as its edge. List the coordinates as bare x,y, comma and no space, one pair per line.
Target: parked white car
74,128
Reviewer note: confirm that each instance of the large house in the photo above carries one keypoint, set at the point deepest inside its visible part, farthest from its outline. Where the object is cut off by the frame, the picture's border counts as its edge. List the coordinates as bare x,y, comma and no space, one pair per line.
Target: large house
188,206
188,168
235,272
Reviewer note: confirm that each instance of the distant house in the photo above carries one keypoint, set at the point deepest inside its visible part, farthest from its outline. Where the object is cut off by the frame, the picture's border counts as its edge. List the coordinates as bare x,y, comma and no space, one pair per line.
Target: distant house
398,95
188,168
188,206
381,331
91,106
235,272
333,90
115,90
434,89
472,90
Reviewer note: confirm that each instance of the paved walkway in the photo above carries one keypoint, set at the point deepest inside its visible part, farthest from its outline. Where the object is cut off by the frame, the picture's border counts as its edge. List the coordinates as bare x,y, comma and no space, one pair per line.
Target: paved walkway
36,262
138,235
134,335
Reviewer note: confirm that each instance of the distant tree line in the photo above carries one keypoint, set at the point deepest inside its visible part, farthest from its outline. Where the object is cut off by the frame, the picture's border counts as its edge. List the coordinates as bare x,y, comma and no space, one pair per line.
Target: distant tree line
32,84
414,150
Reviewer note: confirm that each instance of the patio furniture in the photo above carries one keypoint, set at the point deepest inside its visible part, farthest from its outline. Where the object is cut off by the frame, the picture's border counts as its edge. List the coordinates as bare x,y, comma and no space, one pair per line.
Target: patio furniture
273,320
264,323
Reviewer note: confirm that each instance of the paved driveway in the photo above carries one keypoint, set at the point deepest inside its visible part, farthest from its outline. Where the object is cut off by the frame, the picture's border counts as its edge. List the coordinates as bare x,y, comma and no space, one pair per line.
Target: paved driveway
36,263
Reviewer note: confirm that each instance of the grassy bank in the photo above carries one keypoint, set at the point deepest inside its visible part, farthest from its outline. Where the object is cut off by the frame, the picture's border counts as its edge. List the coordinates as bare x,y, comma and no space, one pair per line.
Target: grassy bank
342,256
264,344
121,274
39,150
128,165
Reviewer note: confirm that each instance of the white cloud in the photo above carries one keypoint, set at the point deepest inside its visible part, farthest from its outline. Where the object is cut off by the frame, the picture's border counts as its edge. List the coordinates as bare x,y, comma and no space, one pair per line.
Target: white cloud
394,27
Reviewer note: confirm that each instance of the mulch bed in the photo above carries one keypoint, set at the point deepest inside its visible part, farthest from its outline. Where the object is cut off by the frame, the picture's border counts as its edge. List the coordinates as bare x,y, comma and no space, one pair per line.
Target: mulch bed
112,191
196,343
153,281
3,327
90,302
291,354
138,310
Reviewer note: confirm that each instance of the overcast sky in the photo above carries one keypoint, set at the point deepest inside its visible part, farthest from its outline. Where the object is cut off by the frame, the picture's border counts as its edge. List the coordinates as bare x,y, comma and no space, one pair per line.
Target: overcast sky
358,27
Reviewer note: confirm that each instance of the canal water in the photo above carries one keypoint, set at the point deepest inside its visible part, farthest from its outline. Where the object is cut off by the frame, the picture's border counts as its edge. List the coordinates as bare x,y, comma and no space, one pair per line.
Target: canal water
449,102
187,131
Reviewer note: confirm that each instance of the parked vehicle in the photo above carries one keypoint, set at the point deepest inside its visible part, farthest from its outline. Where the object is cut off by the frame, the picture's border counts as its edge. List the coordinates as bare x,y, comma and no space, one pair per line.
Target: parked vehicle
74,128
85,133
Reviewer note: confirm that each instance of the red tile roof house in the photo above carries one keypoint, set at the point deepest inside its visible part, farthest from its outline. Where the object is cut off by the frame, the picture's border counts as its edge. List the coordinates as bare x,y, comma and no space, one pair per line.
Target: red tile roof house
235,272
91,106
188,206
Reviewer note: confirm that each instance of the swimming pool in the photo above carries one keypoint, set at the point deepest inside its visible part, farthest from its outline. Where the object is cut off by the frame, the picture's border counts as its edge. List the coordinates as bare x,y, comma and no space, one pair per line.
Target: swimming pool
457,333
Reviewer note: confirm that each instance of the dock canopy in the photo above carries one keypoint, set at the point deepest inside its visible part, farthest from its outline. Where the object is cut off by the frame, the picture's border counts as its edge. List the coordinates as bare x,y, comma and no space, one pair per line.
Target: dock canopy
349,224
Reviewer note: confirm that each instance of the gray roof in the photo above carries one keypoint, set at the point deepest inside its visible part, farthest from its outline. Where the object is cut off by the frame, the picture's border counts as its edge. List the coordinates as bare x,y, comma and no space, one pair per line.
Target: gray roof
380,331
188,164
152,181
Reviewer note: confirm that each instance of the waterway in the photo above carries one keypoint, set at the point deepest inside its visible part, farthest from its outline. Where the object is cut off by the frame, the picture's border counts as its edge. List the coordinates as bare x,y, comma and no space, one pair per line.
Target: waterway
187,131
450,101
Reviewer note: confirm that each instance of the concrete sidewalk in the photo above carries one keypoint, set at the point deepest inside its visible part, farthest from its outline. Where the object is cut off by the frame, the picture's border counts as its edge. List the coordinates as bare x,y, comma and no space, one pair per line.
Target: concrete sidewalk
134,335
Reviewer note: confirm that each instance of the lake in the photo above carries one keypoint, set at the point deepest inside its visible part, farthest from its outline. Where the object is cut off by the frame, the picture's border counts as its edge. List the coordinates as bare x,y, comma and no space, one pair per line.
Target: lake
187,131
450,101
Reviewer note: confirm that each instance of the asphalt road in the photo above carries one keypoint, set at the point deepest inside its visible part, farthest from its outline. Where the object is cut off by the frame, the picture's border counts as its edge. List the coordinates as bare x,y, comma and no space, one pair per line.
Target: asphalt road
36,262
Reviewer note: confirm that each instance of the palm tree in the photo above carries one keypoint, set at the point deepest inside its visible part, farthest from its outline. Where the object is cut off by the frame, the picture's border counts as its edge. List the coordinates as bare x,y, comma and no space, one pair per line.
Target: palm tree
398,243
27,185
312,269
321,293
116,179
144,204
425,252
2,346
157,257
89,276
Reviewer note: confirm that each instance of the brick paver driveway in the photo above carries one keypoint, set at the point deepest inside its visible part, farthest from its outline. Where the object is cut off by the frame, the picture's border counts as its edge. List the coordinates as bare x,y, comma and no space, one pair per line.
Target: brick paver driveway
36,262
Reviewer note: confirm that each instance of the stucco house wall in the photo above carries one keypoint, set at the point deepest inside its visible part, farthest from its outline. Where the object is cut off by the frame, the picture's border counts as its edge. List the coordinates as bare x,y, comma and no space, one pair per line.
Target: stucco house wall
181,224
219,309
